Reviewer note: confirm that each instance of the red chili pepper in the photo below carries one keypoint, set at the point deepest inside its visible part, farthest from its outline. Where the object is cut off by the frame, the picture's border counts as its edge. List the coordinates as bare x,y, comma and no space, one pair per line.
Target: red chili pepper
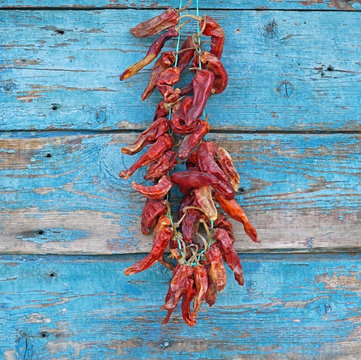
187,200
165,61
177,288
157,191
217,271
232,208
186,302
186,53
206,161
202,86
192,140
152,53
201,285
162,110
155,151
165,82
186,89
163,233
214,30
149,136
192,160
225,162
190,224
155,25
157,169
151,212
187,180
204,200
223,223
229,254
211,293
213,64
177,120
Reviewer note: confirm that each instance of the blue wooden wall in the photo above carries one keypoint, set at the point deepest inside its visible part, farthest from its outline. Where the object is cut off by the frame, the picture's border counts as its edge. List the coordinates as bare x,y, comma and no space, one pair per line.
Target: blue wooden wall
69,226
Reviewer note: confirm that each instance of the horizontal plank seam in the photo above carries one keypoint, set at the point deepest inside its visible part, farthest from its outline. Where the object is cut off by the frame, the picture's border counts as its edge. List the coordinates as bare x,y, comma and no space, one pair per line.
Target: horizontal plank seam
219,131
77,8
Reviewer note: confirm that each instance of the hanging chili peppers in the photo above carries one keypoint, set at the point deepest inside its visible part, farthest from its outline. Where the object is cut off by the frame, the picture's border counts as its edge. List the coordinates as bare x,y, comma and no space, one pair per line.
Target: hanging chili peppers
202,240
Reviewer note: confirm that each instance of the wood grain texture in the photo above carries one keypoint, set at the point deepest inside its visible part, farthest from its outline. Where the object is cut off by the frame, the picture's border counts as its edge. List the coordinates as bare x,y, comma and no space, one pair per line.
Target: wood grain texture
61,193
85,308
345,5
288,71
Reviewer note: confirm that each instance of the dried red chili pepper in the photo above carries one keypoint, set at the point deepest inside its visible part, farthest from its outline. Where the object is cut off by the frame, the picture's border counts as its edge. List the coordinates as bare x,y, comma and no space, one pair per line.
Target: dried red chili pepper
225,162
223,223
203,199
163,233
206,161
186,302
152,53
192,140
162,110
157,169
187,200
202,86
232,208
214,30
165,61
211,293
165,82
186,89
201,285
151,212
158,191
217,271
155,151
190,224
155,25
186,53
213,64
192,160
229,254
177,288
177,120
149,136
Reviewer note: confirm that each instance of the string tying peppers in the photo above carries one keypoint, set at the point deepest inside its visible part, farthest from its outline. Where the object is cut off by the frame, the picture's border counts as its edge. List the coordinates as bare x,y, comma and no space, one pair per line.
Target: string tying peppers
202,240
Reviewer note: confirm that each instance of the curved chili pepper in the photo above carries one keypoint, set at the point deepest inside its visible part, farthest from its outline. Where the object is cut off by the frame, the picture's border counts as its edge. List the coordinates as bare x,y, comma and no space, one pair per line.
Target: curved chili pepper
162,110
202,87
177,288
187,180
186,302
158,128
157,191
165,61
187,200
223,223
192,160
217,271
186,89
157,169
206,154
204,200
155,151
225,162
186,53
232,208
190,224
201,285
155,25
152,53
163,234
151,212
192,140
229,254
165,82
214,30
213,64
177,120
211,293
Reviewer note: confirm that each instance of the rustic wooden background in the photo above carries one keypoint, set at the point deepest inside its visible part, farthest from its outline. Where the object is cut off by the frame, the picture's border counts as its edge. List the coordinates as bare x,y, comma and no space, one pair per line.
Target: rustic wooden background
68,226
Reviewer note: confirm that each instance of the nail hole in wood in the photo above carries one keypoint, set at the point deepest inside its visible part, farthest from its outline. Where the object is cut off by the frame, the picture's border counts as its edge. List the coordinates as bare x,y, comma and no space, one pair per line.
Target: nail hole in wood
44,335
241,190
52,274
48,155
41,232
330,68
59,31
54,107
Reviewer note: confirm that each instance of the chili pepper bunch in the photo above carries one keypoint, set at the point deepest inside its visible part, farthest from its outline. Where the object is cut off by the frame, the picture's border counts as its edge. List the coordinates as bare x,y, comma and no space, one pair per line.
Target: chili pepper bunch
202,239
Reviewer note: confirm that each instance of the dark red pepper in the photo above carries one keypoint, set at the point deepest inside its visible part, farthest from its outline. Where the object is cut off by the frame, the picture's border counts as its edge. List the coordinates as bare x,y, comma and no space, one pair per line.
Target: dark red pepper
186,302
158,191
201,285
217,271
225,162
157,169
151,212
165,82
213,64
223,223
214,30
177,120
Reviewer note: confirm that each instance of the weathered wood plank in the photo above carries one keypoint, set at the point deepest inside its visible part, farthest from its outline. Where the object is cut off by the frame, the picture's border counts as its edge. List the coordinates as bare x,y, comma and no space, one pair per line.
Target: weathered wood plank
344,5
288,71
62,194
291,307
